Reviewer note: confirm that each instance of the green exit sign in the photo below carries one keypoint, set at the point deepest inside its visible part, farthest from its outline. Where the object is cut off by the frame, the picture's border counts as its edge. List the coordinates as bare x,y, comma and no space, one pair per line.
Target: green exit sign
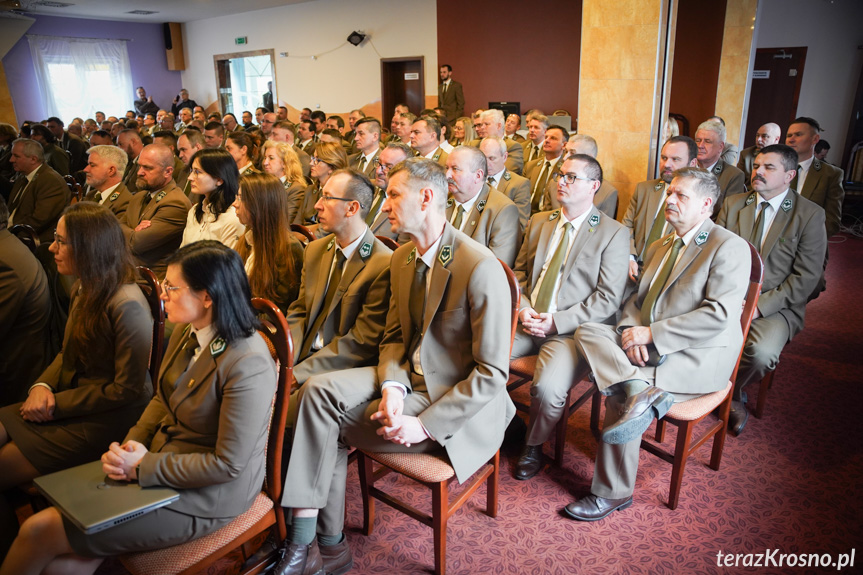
242,40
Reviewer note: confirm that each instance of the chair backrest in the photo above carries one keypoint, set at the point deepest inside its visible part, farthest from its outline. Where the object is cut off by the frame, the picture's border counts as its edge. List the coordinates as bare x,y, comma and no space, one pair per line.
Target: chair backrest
756,277
153,292
75,188
303,234
279,336
388,242
515,295
27,235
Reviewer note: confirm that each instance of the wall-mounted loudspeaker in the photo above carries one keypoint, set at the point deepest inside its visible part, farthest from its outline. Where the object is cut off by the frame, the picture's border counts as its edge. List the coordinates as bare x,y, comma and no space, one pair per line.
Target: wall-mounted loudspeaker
173,32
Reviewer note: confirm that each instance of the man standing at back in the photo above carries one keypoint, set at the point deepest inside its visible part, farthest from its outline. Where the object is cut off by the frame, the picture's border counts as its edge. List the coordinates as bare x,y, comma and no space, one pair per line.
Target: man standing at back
440,382
450,95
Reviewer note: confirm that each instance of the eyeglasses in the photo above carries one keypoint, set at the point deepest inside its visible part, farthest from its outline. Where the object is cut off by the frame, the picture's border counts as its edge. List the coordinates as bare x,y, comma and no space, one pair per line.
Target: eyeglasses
327,198
315,161
168,288
385,167
61,241
569,179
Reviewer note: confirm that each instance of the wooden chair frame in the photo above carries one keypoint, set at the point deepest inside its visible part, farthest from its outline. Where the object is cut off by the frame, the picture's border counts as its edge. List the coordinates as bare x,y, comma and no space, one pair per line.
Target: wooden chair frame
27,235
388,242
685,444
442,507
303,234
153,293
275,330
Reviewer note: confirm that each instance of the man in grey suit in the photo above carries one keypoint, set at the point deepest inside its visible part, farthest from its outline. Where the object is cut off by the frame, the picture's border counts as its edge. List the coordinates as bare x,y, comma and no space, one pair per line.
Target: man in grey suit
710,139
687,309
338,318
367,138
105,166
605,198
475,209
377,220
572,270
440,382
645,215
513,186
450,94
767,135
788,231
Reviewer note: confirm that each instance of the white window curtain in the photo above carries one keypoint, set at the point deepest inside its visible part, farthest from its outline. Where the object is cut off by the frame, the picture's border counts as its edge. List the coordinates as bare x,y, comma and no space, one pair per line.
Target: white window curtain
78,76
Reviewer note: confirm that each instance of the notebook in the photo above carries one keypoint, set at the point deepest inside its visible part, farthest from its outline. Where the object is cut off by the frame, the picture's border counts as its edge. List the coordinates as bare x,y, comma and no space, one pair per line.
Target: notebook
93,502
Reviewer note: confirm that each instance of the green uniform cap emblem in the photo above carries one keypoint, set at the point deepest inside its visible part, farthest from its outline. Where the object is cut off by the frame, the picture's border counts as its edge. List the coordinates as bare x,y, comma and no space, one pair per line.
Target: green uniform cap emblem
114,196
331,243
554,215
411,255
160,195
701,238
365,250
217,346
594,219
668,239
787,204
506,176
450,202
480,206
750,199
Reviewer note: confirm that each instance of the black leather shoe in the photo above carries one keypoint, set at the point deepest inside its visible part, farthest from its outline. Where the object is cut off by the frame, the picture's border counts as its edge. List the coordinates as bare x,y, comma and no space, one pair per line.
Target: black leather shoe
638,413
593,508
299,560
337,558
737,418
529,462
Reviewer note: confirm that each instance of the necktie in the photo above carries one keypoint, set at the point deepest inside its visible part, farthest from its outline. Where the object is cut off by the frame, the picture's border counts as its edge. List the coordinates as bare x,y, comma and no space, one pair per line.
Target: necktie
656,288
443,93
147,197
656,229
793,183
490,181
416,305
332,286
17,190
757,236
362,166
459,216
534,152
181,360
97,197
536,201
546,290
376,206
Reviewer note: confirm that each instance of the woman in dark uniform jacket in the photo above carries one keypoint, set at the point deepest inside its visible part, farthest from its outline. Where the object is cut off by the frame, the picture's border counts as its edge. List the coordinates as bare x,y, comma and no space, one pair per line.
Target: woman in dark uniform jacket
204,433
99,382
273,256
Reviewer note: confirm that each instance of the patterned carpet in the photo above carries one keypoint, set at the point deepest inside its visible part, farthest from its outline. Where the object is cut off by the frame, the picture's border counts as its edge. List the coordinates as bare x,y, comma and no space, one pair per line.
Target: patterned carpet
792,482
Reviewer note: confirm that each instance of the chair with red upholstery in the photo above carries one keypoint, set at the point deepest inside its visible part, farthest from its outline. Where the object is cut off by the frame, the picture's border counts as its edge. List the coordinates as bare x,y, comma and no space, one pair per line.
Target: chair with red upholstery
433,471
264,515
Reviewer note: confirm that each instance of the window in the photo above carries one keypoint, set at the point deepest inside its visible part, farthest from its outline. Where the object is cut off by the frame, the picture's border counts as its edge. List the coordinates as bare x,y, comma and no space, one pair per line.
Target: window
78,76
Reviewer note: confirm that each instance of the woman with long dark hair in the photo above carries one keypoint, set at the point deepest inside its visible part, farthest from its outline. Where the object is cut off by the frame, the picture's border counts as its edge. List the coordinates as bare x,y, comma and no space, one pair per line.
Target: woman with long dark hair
215,179
204,432
99,382
273,257
327,158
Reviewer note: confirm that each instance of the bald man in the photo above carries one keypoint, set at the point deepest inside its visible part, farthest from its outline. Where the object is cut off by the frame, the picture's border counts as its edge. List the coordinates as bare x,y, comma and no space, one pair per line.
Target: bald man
767,135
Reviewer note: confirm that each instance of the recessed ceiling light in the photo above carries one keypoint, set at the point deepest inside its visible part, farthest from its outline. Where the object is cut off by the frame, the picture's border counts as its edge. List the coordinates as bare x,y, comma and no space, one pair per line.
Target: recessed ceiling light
143,12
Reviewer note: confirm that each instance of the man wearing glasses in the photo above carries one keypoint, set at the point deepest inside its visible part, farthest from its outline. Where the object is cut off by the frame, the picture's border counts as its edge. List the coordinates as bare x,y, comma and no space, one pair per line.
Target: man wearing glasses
394,153
571,270
337,320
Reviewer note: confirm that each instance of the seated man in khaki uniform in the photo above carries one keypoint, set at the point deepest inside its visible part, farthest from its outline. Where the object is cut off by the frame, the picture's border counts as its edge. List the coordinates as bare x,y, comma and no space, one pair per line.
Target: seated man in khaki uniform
572,270
440,382
679,336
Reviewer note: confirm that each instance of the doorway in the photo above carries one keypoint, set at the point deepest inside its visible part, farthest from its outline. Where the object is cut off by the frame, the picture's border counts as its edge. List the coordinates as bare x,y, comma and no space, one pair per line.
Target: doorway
402,82
242,79
776,81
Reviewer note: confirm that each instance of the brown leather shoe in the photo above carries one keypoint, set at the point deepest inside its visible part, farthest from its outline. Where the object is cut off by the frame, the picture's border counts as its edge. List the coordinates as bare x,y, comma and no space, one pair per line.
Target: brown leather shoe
529,462
638,413
593,508
299,560
337,558
737,417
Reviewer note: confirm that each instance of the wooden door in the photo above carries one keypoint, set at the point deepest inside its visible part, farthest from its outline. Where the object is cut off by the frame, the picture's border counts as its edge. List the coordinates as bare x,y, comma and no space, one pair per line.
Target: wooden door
402,82
776,81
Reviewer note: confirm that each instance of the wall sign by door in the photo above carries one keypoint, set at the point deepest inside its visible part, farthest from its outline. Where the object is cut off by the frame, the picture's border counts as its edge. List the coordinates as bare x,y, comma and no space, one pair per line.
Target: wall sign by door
412,76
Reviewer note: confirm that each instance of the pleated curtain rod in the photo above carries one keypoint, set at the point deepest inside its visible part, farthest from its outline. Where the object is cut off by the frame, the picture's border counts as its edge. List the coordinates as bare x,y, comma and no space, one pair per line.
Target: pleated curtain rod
77,38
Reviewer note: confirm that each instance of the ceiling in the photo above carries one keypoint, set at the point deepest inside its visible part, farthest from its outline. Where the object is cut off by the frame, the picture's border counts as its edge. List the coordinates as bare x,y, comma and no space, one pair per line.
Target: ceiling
163,10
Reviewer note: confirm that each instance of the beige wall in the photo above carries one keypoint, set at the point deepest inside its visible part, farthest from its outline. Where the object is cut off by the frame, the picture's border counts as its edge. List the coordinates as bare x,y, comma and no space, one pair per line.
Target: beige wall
734,66
618,83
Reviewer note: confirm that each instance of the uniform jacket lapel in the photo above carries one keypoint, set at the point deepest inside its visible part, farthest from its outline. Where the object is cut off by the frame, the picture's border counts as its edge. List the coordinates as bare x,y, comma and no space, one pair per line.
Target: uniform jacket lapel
476,212
689,254
584,235
780,222
542,249
439,279
320,292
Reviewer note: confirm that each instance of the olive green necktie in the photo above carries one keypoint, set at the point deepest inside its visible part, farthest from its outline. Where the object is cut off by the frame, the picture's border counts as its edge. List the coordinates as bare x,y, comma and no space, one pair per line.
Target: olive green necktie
758,231
97,197
459,216
656,288
546,289
793,183
376,206
332,286
541,181
181,361
362,165
656,229
416,305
